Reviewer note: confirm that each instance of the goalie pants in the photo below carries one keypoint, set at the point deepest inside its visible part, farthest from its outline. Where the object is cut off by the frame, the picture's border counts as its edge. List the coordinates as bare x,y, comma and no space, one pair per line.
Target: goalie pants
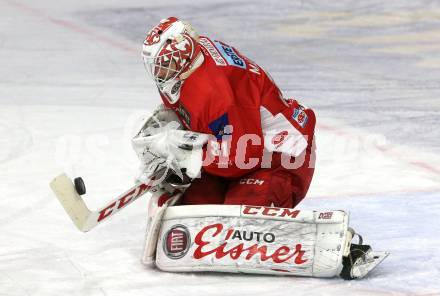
276,186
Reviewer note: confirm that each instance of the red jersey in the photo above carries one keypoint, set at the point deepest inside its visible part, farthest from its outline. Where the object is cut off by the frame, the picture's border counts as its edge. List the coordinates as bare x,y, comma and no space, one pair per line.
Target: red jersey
232,98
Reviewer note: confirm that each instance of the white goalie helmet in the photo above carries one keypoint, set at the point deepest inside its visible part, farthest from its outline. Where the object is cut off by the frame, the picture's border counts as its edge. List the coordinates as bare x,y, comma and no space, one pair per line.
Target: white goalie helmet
171,53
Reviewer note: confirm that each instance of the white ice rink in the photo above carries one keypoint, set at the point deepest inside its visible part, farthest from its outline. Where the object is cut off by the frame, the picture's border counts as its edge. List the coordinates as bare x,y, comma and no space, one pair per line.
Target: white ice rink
72,84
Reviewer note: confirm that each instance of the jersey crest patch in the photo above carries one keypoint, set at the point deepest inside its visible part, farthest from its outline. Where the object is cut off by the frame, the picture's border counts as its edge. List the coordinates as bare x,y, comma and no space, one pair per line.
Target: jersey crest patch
218,126
232,58
300,116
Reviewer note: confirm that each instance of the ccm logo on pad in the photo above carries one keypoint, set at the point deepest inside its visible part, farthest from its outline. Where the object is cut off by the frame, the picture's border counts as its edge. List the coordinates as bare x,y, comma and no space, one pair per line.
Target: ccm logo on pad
268,211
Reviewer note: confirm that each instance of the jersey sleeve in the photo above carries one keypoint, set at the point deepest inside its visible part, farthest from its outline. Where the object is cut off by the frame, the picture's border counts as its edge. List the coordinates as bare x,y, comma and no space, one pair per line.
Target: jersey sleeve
287,126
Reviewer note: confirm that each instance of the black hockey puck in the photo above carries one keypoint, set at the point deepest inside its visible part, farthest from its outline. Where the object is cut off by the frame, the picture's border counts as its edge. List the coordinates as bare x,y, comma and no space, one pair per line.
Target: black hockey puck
80,187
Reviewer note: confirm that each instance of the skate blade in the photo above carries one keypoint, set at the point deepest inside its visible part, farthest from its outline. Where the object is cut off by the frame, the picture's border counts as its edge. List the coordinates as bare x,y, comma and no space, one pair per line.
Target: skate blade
372,259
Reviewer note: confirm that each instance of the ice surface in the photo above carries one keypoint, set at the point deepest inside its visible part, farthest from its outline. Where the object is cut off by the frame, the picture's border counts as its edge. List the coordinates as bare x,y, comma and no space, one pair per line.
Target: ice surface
72,86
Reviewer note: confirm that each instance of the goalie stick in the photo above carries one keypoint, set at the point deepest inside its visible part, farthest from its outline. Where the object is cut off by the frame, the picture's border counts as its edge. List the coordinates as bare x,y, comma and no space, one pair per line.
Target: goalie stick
82,217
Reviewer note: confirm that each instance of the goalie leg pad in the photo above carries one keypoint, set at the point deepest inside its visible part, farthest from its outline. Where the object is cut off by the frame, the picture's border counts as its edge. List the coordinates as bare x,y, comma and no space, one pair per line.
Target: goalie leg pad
157,204
252,239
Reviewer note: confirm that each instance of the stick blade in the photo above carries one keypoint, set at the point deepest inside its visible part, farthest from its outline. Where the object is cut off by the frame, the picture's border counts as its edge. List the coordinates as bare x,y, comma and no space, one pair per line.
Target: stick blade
71,201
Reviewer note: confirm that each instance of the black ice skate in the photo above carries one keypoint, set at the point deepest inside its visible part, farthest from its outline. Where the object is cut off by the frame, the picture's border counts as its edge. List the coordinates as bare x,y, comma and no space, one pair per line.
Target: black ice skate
360,260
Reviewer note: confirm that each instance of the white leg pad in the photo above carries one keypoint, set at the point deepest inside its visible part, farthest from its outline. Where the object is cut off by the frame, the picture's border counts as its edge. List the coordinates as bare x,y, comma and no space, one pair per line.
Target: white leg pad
154,220
252,239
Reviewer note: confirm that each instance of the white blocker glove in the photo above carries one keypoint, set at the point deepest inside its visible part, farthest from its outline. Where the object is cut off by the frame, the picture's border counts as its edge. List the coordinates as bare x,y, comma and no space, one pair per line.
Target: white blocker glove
169,148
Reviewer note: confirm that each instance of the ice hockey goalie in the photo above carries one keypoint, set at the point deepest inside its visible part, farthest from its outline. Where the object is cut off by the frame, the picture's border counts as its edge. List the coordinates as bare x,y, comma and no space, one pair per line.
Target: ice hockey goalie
235,158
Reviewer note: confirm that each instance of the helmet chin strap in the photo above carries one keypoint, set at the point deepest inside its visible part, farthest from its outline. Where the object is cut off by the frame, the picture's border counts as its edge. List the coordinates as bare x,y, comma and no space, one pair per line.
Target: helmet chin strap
171,89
